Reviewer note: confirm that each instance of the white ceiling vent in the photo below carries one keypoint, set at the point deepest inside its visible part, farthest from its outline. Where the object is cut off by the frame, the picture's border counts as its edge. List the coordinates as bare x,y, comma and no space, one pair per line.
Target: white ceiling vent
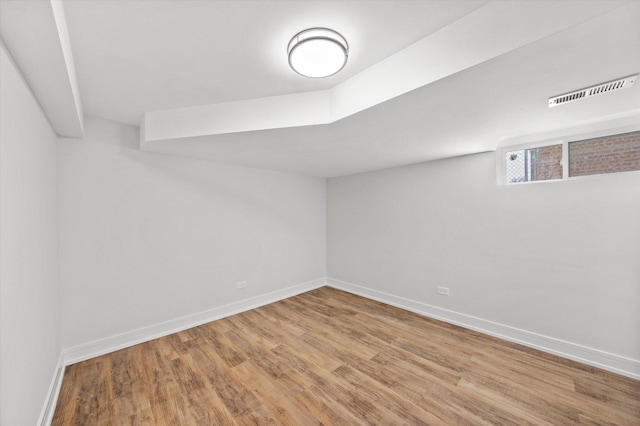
598,89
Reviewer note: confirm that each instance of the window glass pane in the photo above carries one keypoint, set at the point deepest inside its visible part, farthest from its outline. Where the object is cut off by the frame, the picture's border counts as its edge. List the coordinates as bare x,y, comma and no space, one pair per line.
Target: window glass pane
610,154
534,164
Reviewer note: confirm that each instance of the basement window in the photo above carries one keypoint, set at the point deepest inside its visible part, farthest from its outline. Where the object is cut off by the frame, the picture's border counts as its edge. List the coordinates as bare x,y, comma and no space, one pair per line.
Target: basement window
534,164
609,154
593,153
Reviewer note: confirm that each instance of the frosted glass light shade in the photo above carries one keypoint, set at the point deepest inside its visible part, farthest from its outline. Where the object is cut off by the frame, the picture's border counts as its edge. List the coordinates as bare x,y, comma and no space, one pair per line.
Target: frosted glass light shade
318,52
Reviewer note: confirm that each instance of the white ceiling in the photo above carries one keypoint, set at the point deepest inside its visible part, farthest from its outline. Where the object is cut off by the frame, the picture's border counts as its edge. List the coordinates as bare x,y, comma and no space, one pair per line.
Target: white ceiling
138,56
468,112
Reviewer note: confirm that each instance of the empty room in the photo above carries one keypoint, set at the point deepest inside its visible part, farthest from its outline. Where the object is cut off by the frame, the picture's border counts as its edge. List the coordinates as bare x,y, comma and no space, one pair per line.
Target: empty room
319,212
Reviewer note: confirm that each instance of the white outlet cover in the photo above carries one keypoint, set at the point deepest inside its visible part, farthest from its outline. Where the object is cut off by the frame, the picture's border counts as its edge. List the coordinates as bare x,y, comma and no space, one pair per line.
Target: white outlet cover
443,290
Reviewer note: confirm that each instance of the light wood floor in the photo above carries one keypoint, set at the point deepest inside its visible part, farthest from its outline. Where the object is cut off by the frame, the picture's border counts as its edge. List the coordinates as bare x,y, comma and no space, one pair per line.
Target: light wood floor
329,357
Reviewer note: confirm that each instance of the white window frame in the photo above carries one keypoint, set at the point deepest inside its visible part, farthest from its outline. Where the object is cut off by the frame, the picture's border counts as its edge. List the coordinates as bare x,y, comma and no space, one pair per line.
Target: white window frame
564,137
502,163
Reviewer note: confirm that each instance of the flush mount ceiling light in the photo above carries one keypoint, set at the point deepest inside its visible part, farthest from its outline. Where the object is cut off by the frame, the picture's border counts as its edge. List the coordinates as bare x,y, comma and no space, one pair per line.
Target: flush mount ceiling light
318,52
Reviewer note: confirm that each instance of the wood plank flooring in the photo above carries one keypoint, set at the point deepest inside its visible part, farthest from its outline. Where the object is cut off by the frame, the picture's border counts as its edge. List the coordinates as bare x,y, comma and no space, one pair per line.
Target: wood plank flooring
332,358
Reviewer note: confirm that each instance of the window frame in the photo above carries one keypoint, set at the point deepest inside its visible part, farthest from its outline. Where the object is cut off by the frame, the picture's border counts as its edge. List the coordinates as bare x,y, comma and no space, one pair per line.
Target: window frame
564,138
531,145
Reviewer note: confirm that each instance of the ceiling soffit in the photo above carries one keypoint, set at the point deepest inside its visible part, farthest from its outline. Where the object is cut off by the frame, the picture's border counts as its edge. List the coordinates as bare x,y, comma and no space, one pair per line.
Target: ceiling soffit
481,35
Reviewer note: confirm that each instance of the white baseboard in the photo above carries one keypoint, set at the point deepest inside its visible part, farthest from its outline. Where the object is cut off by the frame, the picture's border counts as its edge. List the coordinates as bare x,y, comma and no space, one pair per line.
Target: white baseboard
120,341
594,357
49,408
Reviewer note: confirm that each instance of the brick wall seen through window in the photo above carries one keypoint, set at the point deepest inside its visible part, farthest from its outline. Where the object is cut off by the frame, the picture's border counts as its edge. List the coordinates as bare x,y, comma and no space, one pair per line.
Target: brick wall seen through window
534,164
548,164
605,154
610,154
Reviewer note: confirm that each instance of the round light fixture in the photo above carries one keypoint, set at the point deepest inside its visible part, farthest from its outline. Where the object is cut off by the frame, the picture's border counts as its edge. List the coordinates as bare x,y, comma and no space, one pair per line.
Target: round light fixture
317,52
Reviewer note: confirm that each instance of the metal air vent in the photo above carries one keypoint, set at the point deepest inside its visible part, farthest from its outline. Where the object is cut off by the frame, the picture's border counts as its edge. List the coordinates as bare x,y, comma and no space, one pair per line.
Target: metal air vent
598,89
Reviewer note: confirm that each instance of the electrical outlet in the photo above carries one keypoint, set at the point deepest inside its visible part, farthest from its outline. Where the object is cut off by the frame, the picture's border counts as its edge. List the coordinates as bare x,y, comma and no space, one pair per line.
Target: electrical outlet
242,284
443,290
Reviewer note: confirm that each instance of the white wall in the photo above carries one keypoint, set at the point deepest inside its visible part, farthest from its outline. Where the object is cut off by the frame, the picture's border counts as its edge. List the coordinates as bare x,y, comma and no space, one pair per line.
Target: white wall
147,238
561,259
29,286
